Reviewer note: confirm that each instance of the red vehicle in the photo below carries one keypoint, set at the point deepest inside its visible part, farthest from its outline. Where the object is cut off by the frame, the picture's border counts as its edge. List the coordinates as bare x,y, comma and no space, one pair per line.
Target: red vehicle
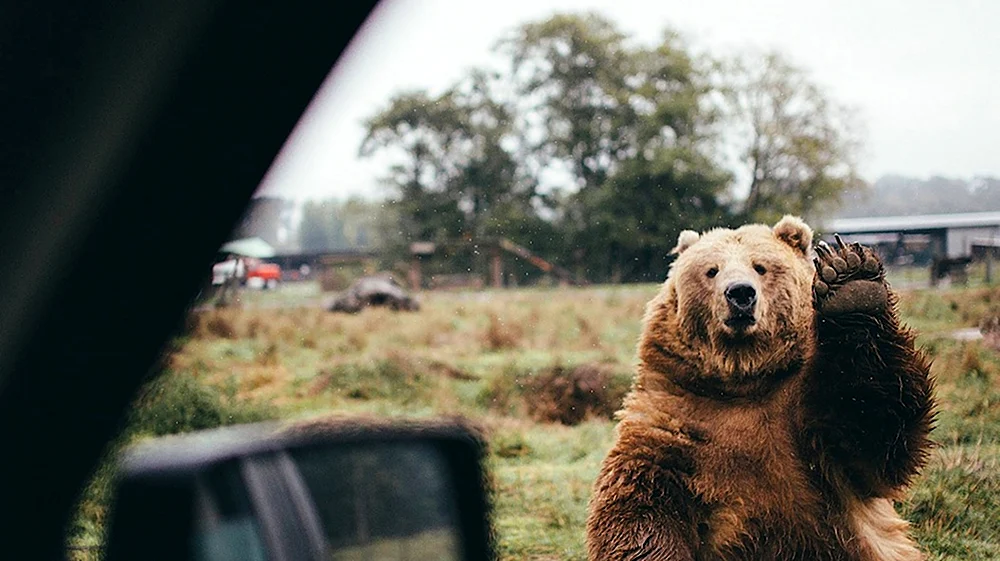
266,275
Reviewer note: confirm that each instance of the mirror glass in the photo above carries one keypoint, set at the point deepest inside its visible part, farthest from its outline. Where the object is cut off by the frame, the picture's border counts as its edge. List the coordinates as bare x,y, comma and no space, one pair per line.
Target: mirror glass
225,526
382,500
388,500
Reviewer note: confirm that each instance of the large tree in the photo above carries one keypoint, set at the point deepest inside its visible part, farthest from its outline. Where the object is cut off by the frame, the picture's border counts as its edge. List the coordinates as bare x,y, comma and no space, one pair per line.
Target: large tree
636,215
619,117
453,166
569,74
797,147
594,100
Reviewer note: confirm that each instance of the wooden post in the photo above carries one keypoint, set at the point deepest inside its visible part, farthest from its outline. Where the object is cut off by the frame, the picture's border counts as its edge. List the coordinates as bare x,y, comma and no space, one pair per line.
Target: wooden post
496,268
418,250
415,280
939,255
989,266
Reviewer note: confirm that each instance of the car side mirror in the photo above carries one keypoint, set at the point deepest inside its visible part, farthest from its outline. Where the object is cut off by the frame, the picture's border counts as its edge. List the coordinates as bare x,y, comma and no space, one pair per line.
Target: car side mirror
320,490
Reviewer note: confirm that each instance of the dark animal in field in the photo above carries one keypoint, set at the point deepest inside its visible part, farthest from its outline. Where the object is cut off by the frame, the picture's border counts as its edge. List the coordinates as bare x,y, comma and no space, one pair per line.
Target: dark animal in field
374,291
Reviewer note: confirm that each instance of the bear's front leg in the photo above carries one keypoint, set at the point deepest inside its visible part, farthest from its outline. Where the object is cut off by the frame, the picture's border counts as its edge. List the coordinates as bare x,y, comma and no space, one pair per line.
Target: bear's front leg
869,408
641,509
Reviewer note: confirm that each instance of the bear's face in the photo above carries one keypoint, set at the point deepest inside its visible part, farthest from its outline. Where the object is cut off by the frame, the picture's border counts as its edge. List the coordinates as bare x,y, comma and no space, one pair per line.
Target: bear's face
745,294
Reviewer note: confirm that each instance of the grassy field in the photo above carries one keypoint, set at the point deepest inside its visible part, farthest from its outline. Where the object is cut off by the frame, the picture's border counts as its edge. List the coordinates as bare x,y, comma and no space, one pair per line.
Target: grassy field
499,357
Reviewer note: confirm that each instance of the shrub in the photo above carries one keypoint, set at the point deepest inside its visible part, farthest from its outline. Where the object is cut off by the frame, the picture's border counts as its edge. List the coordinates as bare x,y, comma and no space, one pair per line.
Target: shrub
176,402
220,325
500,335
386,379
990,328
510,444
172,403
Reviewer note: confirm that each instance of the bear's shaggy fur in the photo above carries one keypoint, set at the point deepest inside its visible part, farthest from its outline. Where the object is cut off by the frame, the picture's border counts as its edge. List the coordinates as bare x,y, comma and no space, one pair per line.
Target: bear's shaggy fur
778,410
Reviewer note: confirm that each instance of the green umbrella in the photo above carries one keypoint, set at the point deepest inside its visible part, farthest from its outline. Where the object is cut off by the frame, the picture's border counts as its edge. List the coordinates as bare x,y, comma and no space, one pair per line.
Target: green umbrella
249,247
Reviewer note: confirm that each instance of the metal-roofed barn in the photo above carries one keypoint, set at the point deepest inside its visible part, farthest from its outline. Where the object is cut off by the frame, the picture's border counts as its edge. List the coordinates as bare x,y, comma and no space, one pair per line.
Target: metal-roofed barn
953,238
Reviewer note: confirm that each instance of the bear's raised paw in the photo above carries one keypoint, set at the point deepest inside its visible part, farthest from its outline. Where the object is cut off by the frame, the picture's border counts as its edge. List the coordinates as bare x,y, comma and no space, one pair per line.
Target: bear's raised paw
849,278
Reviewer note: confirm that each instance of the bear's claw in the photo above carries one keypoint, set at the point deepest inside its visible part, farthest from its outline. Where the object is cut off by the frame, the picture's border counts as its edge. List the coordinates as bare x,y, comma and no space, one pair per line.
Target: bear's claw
848,279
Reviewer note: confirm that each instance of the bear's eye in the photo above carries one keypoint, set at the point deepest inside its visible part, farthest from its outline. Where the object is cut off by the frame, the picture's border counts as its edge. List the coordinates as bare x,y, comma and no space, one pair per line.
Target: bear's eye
712,272
759,268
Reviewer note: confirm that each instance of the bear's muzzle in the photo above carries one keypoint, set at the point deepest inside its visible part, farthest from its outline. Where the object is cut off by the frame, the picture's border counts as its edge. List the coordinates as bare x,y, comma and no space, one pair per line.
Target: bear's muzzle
742,300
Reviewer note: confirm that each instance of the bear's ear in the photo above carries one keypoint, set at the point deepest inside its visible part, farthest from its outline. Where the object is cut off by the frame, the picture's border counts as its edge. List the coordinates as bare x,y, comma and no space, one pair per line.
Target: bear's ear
794,232
684,241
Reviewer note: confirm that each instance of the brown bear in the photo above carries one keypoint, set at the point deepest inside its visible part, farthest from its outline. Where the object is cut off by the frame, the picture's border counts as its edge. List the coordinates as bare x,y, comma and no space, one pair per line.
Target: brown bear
778,410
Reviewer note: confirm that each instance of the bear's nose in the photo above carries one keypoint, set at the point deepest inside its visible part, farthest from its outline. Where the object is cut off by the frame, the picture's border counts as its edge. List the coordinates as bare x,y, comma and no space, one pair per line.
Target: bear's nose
741,295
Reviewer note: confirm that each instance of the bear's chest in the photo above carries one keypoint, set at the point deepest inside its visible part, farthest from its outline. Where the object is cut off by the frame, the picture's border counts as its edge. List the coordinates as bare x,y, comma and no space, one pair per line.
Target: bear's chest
750,476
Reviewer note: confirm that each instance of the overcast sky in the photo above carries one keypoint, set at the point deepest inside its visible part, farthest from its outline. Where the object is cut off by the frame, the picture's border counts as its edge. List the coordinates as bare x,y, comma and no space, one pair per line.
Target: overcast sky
923,74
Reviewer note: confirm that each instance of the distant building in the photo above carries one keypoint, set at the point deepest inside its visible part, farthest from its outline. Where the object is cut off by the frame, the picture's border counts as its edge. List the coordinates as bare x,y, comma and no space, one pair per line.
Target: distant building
952,236
950,240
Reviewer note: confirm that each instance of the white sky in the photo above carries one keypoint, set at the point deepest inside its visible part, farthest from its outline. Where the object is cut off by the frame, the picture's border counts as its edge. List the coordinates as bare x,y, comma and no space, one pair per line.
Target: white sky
923,74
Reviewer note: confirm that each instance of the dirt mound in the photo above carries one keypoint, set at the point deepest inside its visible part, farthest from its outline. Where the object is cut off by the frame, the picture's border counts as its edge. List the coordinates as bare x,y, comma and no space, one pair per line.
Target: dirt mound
571,395
990,328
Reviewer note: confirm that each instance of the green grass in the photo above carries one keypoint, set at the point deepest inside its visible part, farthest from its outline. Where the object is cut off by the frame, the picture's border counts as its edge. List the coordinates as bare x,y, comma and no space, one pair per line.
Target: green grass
954,507
912,277
543,476
476,354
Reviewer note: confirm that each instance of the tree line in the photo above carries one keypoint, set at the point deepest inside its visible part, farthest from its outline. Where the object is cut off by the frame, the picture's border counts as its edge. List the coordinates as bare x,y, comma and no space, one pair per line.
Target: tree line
595,151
